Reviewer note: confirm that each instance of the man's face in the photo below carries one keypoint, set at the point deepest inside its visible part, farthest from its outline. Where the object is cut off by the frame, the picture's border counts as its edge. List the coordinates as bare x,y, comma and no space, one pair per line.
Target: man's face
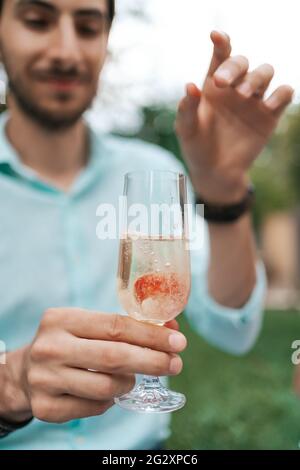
53,52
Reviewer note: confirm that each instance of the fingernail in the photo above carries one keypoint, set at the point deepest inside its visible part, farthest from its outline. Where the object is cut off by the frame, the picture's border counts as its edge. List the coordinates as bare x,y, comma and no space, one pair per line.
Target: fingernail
175,365
177,341
272,103
224,75
245,90
192,92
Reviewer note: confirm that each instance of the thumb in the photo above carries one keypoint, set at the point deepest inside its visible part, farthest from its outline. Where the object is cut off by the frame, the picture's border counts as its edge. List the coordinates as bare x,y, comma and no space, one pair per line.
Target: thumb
187,116
193,91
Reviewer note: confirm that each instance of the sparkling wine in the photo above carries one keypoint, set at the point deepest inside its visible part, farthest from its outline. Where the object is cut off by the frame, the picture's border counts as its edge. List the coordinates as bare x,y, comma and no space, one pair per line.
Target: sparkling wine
154,278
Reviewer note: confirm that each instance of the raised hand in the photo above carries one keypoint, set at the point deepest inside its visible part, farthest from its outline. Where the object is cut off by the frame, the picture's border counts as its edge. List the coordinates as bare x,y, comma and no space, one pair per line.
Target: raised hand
223,128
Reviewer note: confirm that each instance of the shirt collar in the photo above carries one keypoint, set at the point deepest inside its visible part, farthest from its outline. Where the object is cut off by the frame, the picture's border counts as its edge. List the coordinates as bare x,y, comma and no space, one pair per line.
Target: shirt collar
7,152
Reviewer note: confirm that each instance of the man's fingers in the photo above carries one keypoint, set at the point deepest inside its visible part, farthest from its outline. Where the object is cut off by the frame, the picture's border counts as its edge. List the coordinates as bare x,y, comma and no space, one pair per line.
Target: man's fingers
232,70
222,50
117,328
193,92
279,100
256,82
92,385
66,408
189,104
120,358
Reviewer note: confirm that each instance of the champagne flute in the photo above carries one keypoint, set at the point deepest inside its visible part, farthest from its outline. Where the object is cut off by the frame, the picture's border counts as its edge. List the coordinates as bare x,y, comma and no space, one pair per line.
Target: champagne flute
154,268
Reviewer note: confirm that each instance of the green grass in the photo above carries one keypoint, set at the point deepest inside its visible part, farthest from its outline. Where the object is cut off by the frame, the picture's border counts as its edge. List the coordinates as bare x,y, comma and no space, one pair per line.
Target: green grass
240,403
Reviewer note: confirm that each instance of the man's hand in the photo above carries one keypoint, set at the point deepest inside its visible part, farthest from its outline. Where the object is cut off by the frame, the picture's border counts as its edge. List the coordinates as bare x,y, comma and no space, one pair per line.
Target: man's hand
223,128
79,361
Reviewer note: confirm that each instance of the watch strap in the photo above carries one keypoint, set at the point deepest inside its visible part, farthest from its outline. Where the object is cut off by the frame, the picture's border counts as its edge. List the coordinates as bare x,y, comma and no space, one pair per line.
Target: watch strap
226,214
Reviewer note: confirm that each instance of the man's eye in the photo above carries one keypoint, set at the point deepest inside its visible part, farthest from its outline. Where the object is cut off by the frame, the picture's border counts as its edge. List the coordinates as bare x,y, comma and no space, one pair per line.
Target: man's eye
37,23
88,30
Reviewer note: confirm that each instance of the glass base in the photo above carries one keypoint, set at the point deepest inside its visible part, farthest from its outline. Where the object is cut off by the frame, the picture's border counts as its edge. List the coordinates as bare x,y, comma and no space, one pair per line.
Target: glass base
150,396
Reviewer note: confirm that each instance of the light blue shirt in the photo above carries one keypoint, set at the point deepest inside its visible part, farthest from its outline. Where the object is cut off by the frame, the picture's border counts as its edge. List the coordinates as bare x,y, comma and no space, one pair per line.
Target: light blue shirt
50,256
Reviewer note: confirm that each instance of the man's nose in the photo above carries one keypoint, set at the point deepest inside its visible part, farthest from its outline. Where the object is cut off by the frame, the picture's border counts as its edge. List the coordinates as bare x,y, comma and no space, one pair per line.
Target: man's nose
65,47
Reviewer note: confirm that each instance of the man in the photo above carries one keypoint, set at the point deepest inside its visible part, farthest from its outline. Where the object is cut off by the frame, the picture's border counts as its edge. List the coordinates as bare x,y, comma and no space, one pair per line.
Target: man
54,172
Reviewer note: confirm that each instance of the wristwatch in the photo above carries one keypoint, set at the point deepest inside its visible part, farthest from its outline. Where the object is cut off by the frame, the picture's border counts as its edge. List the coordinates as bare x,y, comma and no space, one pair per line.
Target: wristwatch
227,214
7,428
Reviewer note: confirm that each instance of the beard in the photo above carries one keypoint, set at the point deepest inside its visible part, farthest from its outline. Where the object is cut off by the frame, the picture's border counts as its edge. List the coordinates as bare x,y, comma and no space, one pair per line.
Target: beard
48,120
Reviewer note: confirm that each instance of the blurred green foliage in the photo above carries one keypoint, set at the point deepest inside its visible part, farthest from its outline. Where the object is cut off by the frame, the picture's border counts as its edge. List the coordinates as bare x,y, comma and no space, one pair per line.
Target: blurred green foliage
271,175
158,128
292,142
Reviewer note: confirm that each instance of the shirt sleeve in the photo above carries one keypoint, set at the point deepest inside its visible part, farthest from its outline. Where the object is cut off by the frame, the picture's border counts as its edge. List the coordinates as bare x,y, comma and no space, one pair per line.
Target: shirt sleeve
232,330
